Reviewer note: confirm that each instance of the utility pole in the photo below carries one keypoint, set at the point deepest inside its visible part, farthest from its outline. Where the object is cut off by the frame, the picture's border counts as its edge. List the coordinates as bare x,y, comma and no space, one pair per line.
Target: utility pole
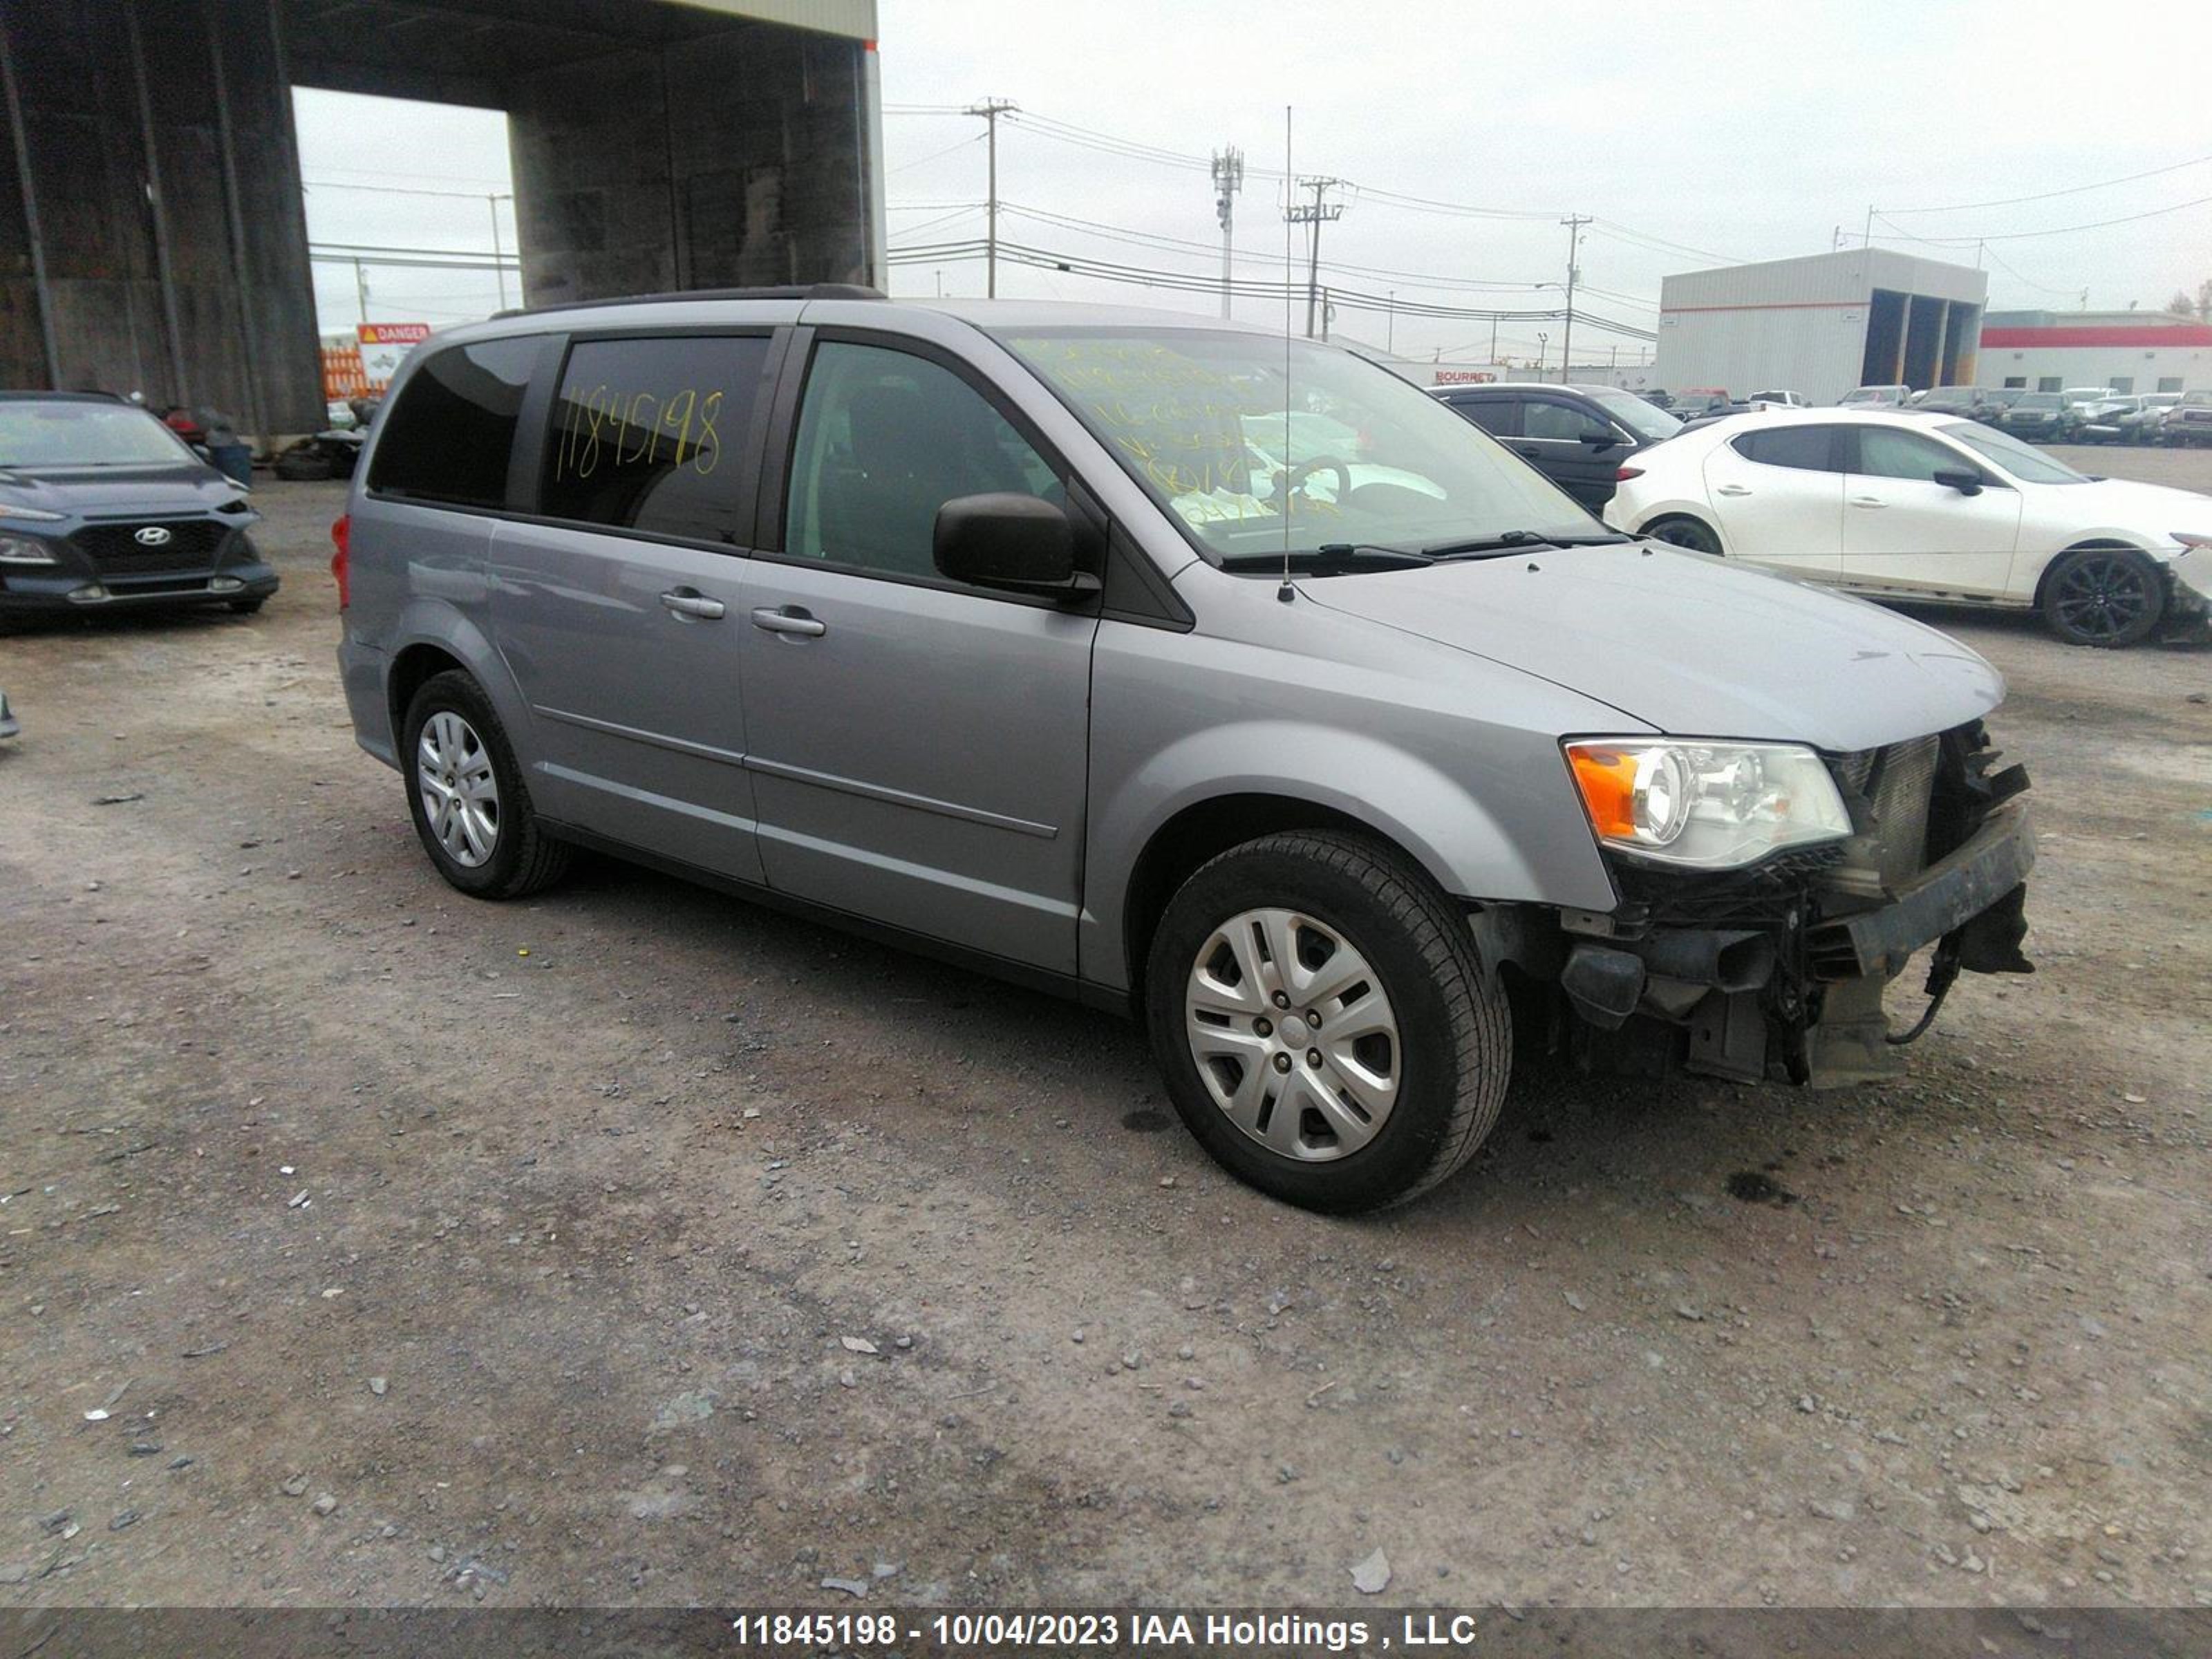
1574,223
1228,179
1313,216
360,287
1493,339
1543,353
1867,240
1390,330
498,258
991,109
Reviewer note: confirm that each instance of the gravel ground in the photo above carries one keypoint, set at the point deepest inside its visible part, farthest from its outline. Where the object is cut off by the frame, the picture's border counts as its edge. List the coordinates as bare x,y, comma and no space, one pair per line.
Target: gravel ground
361,1243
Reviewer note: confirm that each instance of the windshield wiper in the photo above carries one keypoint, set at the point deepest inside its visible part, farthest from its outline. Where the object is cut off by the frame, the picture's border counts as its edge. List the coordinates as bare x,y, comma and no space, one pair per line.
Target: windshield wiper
1508,541
1330,557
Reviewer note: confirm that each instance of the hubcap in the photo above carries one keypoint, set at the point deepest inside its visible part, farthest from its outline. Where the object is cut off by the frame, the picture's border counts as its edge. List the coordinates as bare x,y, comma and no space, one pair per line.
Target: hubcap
460,791
1294,1035
2102,599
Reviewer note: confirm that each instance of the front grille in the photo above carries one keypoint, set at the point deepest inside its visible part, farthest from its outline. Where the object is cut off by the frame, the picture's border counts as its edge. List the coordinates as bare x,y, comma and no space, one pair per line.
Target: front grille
115,548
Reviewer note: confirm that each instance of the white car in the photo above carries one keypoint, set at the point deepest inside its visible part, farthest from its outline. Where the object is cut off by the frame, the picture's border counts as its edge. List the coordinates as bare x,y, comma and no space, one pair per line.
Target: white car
1929,507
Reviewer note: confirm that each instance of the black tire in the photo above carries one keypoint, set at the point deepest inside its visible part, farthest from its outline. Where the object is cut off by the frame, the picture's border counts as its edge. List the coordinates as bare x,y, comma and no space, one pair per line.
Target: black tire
1679,530
1454,1052
2108,597
523,859
302,463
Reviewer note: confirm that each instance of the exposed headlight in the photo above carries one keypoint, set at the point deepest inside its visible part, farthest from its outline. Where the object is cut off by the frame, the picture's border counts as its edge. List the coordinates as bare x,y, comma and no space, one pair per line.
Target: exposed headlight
1706,805
24,549
30,514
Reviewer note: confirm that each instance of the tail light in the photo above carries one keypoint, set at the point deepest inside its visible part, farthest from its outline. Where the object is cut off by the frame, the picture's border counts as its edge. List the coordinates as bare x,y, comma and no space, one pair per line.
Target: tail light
341,561
1627,472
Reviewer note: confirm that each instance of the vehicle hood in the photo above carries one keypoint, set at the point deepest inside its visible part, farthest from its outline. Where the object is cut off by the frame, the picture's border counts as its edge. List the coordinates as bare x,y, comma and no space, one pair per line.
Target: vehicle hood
109,492
1687,645
2152,510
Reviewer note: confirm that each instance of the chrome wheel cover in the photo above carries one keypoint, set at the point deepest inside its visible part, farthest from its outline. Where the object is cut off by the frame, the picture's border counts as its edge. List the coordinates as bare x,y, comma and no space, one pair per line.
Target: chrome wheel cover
459,788
1293,1034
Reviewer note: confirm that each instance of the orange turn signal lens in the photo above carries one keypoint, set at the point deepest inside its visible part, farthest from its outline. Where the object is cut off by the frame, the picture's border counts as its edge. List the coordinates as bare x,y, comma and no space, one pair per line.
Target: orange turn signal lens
1607,778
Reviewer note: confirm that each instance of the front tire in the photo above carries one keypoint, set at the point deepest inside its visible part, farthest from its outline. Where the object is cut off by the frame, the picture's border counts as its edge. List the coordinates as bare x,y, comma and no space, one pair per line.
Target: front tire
2109,596
465,793
1682,531
1324,1026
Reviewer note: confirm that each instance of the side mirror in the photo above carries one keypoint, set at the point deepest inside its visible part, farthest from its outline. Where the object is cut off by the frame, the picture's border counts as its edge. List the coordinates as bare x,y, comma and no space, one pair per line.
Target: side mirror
1015,543
1965,482
1600,442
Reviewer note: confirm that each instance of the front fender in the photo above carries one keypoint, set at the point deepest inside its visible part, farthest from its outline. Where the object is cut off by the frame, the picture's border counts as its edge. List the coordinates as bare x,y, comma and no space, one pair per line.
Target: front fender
1478,835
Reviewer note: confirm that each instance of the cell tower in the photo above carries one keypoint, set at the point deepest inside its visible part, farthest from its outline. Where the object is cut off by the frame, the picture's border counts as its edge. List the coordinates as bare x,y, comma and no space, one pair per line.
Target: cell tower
1228,179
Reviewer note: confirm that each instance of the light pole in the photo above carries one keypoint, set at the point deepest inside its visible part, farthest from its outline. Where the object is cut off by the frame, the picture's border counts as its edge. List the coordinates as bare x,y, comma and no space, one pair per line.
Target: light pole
1543,353
498,258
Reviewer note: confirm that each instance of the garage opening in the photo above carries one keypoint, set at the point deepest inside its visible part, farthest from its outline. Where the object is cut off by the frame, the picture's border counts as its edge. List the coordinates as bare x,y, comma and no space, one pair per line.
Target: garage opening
410,208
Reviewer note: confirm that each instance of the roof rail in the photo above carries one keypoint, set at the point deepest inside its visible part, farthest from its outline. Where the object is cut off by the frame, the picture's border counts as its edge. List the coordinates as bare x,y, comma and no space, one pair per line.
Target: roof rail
797,291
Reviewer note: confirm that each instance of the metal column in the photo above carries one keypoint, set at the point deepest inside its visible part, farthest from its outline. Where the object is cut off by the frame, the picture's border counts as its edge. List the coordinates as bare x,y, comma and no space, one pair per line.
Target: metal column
249,335
46,298
165,269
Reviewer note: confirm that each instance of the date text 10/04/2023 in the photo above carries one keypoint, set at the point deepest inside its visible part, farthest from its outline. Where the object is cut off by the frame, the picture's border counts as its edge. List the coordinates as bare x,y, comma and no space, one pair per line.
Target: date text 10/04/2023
1261,1633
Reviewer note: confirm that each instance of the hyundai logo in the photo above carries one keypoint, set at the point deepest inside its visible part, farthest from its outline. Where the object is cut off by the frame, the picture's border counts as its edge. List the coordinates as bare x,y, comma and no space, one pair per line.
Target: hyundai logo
152,535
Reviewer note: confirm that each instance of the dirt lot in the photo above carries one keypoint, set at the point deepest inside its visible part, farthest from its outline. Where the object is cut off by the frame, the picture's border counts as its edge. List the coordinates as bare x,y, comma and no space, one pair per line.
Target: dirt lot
418,1249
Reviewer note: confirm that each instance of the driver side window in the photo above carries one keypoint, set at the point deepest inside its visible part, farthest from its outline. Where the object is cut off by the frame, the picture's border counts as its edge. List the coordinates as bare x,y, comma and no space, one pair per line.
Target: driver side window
1884,454
1550,420
885,440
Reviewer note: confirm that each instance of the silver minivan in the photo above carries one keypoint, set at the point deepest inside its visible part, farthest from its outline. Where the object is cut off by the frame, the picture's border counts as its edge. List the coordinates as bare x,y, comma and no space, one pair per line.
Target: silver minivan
1197,672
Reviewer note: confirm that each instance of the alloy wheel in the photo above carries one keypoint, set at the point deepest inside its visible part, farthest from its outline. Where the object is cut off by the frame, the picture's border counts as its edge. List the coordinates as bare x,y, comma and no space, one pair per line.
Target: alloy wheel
1293,1033
2102,599
459,788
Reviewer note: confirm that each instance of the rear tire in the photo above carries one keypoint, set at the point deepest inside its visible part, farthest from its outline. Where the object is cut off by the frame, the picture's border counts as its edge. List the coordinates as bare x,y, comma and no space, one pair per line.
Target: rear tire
2108,597
1393,1058
1681,530
466,795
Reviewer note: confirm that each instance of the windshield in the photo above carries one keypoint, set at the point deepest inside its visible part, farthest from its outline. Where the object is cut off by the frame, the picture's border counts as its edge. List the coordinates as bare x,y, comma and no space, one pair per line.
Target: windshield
35,432
1249,463
2024,461
1639,417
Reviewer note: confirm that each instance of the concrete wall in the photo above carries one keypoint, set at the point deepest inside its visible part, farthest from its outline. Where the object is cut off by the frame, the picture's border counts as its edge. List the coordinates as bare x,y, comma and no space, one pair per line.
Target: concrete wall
124,140
656,146
734,161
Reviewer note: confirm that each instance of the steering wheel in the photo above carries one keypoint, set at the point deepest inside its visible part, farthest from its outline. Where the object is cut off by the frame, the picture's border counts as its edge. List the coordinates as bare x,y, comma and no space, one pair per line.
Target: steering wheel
1304,470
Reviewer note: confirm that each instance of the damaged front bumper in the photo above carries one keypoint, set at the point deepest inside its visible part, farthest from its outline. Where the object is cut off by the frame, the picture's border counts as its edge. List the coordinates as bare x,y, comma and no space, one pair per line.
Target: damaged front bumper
1779,971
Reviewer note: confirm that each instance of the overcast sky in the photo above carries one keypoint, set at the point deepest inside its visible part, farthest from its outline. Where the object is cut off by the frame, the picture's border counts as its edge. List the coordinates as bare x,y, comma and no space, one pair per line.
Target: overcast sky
1696,135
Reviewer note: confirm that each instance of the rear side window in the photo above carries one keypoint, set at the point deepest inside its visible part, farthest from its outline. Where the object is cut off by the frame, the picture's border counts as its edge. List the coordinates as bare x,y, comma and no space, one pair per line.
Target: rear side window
1808,448
653,434
1498,416
448,437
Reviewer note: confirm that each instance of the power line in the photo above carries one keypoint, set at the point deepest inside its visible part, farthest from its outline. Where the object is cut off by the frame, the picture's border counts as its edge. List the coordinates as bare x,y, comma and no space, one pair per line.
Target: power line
1195,282
2046,195
2055,230
936,155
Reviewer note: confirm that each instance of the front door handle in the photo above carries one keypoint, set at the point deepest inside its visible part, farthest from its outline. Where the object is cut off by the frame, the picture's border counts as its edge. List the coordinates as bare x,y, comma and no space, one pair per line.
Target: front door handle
687,602
789,619
1867,501
1732,489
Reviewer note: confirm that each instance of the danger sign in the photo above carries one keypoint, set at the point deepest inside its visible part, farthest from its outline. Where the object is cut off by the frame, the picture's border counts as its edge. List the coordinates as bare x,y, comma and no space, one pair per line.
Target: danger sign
383,344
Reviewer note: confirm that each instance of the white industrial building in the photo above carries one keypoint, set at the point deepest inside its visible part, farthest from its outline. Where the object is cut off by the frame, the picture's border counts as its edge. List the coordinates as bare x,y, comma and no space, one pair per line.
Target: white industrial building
2126,350
1820,325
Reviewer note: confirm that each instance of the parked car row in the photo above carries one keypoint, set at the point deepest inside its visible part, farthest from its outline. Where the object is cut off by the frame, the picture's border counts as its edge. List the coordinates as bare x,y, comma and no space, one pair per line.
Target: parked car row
1921,505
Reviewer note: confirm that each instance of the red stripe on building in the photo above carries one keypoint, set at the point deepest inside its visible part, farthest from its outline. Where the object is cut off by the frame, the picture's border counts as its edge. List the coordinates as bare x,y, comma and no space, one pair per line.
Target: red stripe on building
2123,335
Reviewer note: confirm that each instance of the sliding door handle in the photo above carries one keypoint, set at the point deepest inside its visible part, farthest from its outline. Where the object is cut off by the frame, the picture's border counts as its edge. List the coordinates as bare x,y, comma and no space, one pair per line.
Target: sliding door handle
789,619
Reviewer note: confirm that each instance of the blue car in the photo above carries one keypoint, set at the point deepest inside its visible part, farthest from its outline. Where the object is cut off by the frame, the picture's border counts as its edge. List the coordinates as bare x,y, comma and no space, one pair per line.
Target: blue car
102,506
